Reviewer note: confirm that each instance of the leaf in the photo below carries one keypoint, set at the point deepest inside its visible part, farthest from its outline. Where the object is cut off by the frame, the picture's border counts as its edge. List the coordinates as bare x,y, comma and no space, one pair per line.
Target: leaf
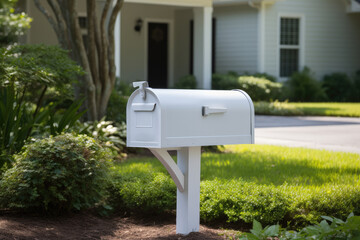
328,218
272,231
257,226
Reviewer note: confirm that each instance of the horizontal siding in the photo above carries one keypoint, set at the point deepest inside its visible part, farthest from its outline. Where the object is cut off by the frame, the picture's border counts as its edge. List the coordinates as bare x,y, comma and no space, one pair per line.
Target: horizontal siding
236,39
331,36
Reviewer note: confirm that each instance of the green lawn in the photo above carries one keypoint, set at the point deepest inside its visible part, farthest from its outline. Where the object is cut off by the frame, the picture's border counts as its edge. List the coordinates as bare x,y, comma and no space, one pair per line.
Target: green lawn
313,109
267,183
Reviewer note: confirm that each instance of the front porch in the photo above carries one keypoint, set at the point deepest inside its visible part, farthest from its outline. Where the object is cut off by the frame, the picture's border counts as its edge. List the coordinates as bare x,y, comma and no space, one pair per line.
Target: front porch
154,42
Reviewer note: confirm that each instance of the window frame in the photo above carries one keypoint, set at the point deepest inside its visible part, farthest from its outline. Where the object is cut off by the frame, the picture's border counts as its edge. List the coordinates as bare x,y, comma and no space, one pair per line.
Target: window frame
300,46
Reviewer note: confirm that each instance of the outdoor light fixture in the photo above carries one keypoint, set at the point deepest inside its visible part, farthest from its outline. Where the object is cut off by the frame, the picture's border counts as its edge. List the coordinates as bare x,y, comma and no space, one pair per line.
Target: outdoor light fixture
138,25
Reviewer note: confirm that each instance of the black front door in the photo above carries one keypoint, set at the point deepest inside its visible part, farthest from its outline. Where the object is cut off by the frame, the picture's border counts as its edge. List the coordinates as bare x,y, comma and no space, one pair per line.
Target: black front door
157,55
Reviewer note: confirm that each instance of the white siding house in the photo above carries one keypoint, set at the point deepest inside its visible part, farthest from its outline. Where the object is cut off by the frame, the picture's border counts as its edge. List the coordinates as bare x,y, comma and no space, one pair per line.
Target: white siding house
272,36
277,36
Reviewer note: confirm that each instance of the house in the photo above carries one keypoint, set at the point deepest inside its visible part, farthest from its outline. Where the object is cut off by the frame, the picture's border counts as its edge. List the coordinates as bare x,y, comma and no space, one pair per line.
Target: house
162,40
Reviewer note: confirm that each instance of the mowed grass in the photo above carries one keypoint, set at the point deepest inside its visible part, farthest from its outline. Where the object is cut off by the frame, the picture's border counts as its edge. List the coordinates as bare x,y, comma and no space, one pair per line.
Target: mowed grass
329,109
270,165
272,184
308,109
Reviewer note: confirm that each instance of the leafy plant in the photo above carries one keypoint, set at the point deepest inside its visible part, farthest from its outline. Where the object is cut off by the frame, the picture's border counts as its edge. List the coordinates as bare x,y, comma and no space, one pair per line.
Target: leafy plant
12,25
303,87
57,175
259,89
337,229
111,134
186,82
338,87
15,124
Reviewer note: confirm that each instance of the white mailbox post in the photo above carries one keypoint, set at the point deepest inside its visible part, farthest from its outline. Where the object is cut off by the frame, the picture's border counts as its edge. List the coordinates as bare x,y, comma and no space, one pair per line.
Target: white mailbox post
184,120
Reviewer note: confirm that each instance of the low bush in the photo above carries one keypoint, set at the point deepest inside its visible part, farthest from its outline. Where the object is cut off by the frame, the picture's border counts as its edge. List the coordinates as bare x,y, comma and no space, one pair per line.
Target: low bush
277,108
56,175
142,189
239,201
338,87
186,82
259,89
328,228
303,87
116,110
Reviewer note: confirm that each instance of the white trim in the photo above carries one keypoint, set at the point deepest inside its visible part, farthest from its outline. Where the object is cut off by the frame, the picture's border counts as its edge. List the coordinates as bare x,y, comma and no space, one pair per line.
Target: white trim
261,38
170,66
301,45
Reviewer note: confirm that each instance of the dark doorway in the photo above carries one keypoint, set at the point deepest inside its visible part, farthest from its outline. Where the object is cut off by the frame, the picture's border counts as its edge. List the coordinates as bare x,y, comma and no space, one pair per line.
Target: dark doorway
157,72
213,44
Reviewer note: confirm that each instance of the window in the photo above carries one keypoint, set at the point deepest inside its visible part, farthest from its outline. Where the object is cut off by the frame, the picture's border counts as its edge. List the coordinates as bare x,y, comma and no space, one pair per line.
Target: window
83,26
289,45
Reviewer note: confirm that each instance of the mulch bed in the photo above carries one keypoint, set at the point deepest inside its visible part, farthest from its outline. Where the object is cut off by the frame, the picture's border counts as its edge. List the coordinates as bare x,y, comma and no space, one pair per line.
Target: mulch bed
89,226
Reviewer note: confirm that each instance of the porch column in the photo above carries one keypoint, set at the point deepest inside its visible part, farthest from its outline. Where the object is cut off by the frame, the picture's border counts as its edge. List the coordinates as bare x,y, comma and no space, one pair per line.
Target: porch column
202,46
117,34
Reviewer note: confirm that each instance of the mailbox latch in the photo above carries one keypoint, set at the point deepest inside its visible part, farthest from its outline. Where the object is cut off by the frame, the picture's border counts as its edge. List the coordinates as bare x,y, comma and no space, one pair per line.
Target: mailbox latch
206,110
142,86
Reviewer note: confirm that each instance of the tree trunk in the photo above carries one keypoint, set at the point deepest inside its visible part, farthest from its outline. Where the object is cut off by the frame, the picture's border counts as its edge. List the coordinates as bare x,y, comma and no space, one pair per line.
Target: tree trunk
99,61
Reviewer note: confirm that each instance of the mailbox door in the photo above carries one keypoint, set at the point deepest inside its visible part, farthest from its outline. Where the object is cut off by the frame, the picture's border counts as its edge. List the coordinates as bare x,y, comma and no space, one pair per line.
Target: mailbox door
143,121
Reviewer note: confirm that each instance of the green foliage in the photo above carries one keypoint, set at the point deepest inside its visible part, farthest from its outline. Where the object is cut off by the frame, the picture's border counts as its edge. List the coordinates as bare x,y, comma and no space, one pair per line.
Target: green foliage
310,109
277,108
303,87
338,87
116,109
337,229
266,76
111,134
271,184
15,124
186,82
236,200
141,189
56,175
12,25
37,66
259,89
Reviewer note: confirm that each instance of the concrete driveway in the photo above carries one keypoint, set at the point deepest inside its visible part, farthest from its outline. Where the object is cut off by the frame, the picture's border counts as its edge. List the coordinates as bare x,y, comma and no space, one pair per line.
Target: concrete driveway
330,133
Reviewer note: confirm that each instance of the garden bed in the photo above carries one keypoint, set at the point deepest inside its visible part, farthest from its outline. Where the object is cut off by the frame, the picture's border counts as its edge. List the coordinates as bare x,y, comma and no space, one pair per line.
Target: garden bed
88,226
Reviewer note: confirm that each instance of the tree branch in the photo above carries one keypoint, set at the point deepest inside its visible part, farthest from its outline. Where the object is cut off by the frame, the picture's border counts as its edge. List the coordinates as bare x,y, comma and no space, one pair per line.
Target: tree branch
51,20
64,36
77,38
92,50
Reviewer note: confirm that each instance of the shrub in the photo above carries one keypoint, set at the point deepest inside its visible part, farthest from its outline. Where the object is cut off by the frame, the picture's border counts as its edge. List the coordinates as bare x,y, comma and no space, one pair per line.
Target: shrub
237,200
357,86
266,76
259,89
303,87
144,192
116,110
277,108
56,175
186,82
338,87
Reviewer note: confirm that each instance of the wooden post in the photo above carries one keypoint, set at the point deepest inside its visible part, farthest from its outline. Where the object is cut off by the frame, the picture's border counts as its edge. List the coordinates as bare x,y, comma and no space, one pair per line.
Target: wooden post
188,201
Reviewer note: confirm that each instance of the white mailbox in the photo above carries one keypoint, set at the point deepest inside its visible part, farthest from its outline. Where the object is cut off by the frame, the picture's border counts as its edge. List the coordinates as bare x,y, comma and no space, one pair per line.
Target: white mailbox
185,120
166,118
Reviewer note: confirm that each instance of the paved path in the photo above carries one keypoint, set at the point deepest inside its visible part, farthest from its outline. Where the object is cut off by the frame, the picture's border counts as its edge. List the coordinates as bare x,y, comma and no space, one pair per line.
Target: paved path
330,133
